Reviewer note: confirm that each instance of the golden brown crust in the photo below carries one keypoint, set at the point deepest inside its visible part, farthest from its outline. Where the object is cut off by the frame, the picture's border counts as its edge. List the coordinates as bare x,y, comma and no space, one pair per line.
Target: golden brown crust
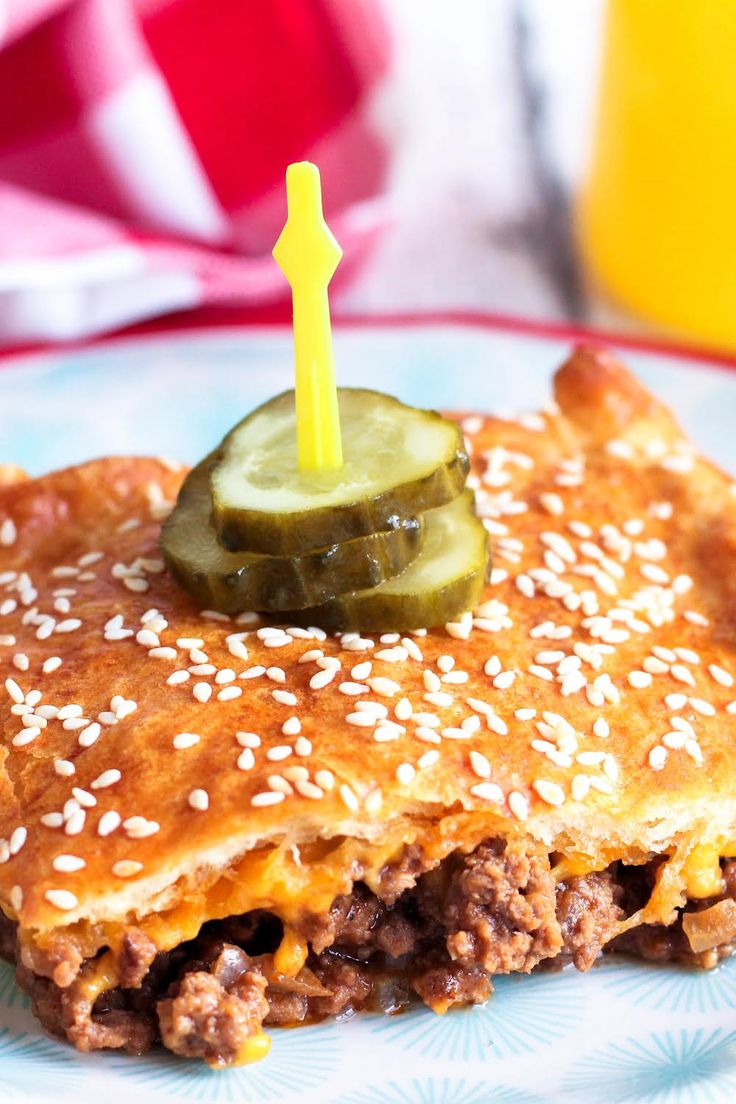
604,507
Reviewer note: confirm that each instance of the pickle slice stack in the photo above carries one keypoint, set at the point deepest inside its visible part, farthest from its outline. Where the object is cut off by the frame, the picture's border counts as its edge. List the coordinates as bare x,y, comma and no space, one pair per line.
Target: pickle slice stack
389,542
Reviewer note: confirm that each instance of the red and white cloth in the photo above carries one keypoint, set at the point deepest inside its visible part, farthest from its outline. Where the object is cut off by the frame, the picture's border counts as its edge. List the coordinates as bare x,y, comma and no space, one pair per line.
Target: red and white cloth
143,145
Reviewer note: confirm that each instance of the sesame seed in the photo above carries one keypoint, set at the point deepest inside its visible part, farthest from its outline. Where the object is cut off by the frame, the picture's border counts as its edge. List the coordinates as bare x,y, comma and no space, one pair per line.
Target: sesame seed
27,736
549,791
246,760
639,679
654,666
385,687
291,727
361,671
89,735
162,653
703,707
177,677
720,675
137,827
600,728
17,840
268,797
248,739
480,765
322,678
281,751
75,823
184,740
488,791
126,868
252,672
442,700
353,689
85,799
68,864
64,768
325,779
580,787
308,789
14,691
403,709
229,693
348,797
405,773
202,669
61,899
303,746
51,664
16,897
428,759
682,674
541,672
696,618
427,735
109,821
676,701
52,820
657,757
202,691
518,805
199,800
525,714
107,778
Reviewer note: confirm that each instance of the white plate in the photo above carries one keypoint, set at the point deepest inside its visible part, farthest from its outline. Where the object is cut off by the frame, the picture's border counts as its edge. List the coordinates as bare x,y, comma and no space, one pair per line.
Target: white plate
625,1032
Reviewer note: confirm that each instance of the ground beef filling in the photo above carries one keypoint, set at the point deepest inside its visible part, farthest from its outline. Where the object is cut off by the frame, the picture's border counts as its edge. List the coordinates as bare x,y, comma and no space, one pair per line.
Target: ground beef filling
439,933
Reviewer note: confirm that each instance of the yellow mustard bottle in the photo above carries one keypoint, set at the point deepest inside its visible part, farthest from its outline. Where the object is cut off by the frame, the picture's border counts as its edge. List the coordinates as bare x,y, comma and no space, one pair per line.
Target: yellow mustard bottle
657,213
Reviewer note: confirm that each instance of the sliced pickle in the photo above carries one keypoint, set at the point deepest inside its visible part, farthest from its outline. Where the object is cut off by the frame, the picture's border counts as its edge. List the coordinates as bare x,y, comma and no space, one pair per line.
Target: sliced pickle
231,582
445,580
397,461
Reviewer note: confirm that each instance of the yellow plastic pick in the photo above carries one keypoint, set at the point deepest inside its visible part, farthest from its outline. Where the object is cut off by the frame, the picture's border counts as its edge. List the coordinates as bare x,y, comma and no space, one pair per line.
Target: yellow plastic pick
307,254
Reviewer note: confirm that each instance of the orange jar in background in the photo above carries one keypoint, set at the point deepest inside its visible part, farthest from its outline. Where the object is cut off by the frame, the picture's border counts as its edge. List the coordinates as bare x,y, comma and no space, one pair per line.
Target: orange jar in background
657,213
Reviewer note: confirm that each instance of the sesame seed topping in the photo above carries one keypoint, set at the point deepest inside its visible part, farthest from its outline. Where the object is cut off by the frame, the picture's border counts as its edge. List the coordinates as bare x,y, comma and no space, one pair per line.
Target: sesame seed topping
657,757
720,675
61,899
109,822
549,791
185,740
126,868
488,791
480,764
291,727
68,864
107,778
229,693
199,800
518,805
405,773
268,797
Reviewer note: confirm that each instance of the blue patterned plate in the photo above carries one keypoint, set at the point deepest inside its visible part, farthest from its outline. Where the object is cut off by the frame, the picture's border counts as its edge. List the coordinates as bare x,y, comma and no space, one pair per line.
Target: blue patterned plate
625,1032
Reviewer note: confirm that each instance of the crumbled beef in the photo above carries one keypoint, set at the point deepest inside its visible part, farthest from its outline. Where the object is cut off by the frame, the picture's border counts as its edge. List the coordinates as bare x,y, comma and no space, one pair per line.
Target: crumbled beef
349,985
658,943
61,960
588,910
136,956
361,921
438,930
499,910
206,1019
